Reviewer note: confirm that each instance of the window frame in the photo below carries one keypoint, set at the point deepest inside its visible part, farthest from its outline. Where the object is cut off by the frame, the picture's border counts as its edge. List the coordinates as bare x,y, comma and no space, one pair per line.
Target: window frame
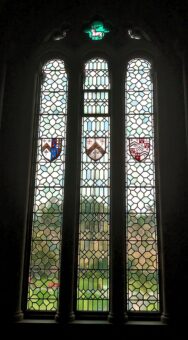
133,49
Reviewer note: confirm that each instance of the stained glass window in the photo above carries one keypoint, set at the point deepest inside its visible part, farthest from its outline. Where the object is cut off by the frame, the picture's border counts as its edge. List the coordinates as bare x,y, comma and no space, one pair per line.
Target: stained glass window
142,253
93,255
93,292
49,185
97,31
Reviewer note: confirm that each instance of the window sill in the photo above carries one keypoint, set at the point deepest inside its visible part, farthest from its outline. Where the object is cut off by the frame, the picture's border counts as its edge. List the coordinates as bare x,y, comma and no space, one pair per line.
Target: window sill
92,322
97,329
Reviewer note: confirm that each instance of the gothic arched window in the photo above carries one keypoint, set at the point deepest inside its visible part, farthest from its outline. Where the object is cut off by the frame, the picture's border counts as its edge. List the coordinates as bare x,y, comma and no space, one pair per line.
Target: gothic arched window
49,186
93,224
93,259
141,225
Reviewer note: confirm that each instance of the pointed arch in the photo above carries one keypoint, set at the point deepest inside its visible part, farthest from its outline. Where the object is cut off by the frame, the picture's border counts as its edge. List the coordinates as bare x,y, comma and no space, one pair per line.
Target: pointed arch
94,214
141,231
49,164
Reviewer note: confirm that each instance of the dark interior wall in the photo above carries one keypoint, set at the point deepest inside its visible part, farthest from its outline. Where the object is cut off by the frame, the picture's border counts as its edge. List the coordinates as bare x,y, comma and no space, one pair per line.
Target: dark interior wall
173,184
25,25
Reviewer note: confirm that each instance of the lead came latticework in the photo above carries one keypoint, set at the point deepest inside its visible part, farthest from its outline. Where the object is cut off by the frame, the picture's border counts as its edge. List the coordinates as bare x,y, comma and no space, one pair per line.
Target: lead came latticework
142,250
93,254
49,189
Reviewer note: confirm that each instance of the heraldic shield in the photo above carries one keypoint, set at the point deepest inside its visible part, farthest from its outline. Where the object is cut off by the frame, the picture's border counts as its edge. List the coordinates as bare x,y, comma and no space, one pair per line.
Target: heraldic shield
95,148
51,148
139,148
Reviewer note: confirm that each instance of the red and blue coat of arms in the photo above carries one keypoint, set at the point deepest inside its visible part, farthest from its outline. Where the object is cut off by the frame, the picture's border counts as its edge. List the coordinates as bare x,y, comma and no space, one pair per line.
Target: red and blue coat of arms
51,148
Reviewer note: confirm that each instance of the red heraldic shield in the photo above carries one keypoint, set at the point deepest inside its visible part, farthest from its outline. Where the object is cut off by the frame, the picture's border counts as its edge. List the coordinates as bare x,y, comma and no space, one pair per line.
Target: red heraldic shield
139,148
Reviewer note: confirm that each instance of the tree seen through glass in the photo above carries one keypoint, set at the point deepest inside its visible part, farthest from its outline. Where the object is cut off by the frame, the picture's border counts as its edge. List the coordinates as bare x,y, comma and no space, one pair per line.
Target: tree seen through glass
93,254
141,231
94,211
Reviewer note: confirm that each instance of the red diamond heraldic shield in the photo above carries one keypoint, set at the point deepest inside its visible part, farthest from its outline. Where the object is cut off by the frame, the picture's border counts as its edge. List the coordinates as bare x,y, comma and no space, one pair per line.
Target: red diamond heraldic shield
139,148
51,148
95,148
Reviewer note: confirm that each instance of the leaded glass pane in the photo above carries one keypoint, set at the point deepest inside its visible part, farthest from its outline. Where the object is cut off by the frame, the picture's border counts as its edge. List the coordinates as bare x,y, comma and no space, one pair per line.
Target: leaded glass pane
142,250
49,189
93,254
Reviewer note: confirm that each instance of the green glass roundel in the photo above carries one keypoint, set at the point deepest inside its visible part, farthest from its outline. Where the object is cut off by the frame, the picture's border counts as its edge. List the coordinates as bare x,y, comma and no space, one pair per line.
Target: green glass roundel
97,30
